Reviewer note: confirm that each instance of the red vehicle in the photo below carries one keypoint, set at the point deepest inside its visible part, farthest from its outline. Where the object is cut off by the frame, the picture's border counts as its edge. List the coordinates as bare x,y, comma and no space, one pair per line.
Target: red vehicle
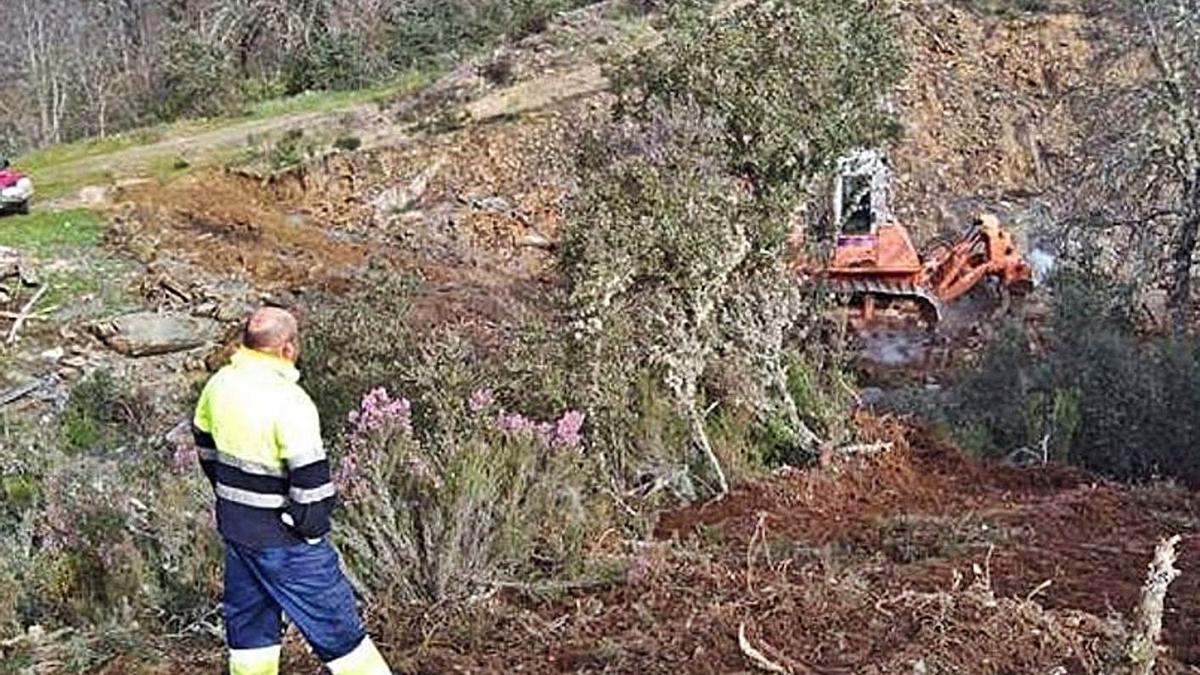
16,189
875,263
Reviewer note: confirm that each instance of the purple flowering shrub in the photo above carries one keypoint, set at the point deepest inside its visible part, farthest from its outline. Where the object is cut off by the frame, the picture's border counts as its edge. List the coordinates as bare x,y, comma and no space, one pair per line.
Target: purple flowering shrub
435,505
92,542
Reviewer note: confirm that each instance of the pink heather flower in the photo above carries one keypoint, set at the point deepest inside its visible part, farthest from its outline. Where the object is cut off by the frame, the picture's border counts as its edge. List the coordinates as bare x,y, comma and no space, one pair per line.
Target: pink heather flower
481,399
567,430
514,423
377,413
185,456
563,433
378,409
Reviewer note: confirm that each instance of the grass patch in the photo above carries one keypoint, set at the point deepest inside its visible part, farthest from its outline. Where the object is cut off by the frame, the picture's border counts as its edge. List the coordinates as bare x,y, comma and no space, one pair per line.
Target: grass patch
66,248
327,101
45,235
57,170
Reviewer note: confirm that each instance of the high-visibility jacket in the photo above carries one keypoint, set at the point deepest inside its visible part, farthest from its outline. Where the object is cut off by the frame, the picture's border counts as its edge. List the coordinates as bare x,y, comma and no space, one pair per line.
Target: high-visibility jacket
259,440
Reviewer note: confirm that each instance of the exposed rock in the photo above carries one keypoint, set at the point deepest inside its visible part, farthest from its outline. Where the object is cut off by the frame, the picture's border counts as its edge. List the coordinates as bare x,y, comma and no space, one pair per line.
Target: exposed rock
400,198
148,334
53,355
13,263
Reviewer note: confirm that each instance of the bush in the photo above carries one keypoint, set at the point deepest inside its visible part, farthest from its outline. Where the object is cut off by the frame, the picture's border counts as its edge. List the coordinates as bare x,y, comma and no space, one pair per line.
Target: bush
354,344
289,151
111,545
795,84
425,29
334,63
347,143
473,495
196,81
449,488
677,240
1100,396
101,414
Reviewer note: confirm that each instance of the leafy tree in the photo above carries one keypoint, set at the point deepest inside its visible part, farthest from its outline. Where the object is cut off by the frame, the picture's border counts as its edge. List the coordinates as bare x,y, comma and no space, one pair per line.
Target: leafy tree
334,63
680,229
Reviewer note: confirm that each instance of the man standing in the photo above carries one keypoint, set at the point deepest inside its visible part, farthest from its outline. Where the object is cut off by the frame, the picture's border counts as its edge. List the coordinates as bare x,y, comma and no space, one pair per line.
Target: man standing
259,442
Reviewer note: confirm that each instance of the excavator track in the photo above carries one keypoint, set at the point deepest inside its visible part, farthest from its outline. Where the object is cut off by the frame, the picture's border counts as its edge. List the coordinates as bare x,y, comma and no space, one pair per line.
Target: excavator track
931,306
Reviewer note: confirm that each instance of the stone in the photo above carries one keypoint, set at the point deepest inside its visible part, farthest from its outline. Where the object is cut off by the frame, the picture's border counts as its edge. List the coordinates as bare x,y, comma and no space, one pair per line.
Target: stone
227,312
14,263
149,334
53,355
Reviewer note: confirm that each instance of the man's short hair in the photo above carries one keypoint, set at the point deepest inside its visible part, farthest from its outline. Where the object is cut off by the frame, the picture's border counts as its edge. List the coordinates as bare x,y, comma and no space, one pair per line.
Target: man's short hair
268,328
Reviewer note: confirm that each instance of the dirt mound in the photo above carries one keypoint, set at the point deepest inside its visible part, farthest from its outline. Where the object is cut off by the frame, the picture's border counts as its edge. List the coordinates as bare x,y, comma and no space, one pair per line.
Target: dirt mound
220,225
914,560
910,561
473,212
930,514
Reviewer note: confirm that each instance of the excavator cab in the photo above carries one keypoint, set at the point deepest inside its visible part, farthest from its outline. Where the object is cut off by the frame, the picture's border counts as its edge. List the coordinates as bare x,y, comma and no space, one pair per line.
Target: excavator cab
868,240
855,211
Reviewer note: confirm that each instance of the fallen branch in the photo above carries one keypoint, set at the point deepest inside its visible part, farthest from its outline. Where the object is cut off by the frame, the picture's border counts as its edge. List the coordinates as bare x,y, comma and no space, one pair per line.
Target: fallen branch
1040,588
1144,647
36,316
760,530
17,393
756,657
864,449
25,312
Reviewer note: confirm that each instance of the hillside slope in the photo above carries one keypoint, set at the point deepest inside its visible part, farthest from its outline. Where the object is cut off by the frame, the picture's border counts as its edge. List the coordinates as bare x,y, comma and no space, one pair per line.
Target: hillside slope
912,559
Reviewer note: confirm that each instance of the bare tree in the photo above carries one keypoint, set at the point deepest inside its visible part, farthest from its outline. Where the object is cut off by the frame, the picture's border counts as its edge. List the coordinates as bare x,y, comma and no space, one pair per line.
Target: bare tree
46,62
1138,184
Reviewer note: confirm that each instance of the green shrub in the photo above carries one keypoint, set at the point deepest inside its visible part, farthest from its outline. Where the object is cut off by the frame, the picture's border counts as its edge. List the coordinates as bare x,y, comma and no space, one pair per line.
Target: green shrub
334,63
677,240
289,150
101,413
354,344
454,491
110,545
795,84
425,29
347,143
1100,395
196,81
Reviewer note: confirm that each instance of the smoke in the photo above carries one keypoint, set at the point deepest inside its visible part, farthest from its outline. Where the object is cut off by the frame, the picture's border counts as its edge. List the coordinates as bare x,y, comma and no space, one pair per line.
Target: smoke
1042,262
893,348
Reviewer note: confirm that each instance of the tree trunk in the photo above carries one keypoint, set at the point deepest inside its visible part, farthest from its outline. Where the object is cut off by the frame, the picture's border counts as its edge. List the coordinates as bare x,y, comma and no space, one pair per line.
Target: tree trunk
1180,298
700,438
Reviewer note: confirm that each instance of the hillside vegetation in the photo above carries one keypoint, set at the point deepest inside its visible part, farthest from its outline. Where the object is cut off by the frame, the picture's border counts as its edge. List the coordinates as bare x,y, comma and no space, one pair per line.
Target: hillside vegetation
583,412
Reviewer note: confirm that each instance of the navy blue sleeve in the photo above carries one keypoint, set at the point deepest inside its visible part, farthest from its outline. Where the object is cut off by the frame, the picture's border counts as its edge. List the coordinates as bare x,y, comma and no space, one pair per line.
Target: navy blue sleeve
311,499
206,448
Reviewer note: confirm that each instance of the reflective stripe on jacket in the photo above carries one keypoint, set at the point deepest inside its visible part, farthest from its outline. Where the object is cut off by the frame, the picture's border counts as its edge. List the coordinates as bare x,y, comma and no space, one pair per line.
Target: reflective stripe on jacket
259,441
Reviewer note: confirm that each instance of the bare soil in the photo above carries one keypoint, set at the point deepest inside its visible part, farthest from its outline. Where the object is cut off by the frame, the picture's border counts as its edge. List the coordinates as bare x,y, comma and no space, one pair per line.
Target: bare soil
913,560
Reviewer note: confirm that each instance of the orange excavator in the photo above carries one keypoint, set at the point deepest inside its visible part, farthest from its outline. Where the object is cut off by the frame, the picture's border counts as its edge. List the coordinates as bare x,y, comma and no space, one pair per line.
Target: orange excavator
874,260
884,266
